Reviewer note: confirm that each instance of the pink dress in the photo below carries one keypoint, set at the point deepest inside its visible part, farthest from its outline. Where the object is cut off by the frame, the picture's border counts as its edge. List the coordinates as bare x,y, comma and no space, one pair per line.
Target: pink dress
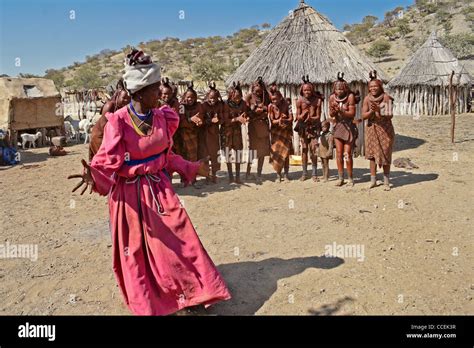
158,260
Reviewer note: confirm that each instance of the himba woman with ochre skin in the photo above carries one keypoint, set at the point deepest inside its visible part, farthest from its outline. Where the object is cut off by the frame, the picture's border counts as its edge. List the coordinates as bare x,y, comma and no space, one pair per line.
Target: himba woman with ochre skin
213,109
259,133
342,111
169,98
308,126
379,134
236,115
281,121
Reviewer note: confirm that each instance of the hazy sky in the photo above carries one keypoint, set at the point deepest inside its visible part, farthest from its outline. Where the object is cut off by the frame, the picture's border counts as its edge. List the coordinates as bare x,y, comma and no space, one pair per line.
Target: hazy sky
42,35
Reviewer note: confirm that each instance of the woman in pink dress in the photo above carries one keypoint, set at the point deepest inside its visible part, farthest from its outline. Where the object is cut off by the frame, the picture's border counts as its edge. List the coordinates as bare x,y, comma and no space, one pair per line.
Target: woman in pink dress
159,262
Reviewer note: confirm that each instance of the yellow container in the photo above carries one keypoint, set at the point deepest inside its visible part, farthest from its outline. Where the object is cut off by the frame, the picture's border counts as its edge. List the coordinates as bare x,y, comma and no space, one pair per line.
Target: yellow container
295,160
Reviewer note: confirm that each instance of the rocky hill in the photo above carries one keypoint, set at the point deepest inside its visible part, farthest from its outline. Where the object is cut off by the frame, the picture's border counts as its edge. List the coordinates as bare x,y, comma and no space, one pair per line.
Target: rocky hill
389,41
393,39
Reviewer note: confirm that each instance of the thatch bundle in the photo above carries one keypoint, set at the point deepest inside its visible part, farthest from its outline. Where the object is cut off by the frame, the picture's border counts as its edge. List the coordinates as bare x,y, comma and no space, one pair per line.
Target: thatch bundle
306,43
422,86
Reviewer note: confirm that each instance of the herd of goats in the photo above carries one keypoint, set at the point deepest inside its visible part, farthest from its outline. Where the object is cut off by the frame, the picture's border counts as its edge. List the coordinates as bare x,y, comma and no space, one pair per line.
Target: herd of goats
74,131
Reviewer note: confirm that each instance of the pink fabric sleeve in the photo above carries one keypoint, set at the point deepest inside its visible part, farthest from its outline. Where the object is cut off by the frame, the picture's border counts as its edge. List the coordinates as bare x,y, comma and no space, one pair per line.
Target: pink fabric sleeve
186,169
110,157
172,119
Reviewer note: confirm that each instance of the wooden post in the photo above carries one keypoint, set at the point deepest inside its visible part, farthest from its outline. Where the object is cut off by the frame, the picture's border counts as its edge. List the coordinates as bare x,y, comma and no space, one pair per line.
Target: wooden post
14,139
452,105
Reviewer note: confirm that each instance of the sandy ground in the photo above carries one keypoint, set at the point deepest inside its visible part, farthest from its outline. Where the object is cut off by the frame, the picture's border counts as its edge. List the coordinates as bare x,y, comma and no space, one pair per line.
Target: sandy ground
268,240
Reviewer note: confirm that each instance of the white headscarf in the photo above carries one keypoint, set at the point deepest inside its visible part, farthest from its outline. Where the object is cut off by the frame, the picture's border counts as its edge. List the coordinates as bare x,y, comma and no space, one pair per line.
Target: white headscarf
140,71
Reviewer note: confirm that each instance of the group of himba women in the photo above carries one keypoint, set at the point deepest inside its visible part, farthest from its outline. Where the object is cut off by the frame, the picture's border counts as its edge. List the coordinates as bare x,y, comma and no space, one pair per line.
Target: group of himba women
213,129
146,135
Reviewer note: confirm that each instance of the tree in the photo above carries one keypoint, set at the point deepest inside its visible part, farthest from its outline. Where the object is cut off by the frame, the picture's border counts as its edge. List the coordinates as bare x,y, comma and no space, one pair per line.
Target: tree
391,16
87,77
403,27
105,52
69,83
207,70
442,16
56,76
266,26
188,60
469,14
359,33
392,33
27,75
347,27
462,45
448,26
247,35
370,21
426,7
238,44
176,75
379,49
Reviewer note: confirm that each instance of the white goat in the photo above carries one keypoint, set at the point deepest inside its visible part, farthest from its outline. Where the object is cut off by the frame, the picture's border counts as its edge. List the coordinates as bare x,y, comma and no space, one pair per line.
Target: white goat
84,127
70,131
76,128
25,137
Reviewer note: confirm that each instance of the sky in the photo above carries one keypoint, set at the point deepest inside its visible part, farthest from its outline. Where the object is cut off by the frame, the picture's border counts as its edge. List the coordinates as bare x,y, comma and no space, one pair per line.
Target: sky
36,35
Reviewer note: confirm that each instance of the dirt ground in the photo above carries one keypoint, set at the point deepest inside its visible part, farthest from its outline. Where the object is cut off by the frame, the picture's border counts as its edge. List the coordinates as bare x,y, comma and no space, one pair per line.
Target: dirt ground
268,240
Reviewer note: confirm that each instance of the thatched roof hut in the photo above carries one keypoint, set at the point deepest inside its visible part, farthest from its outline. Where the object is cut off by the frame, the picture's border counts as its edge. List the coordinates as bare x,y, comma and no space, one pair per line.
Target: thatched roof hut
306,43
422,86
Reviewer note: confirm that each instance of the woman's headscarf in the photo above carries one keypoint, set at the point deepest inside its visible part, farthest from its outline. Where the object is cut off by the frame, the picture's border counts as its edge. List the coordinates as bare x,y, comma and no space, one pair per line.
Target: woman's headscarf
140,71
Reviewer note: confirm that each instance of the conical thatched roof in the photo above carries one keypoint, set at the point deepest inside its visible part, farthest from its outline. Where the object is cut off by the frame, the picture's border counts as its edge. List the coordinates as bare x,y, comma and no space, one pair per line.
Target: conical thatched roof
304,43
431,65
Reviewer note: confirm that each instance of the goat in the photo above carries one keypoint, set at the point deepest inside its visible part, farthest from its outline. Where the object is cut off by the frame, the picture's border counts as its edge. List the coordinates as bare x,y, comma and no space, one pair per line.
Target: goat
70,131
25,137
84,127
79,127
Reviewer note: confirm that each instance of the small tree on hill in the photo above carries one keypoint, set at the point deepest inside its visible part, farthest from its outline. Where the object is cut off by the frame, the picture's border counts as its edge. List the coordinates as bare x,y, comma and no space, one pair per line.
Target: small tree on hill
379,49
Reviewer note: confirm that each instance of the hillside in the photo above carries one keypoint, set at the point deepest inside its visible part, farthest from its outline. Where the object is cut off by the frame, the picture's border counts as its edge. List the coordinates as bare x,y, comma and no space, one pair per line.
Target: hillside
405,29
199,59
389,41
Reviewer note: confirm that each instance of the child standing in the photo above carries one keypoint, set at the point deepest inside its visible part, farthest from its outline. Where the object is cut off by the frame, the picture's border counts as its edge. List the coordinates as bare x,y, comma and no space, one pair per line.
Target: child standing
326,148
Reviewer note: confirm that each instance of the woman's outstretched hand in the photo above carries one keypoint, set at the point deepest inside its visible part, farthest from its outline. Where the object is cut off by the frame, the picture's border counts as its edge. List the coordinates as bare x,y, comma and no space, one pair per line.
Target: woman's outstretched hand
86,178
204,167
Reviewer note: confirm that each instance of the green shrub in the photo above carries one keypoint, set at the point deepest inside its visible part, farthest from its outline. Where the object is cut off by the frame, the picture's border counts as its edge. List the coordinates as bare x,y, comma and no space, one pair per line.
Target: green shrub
379,49
462,45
